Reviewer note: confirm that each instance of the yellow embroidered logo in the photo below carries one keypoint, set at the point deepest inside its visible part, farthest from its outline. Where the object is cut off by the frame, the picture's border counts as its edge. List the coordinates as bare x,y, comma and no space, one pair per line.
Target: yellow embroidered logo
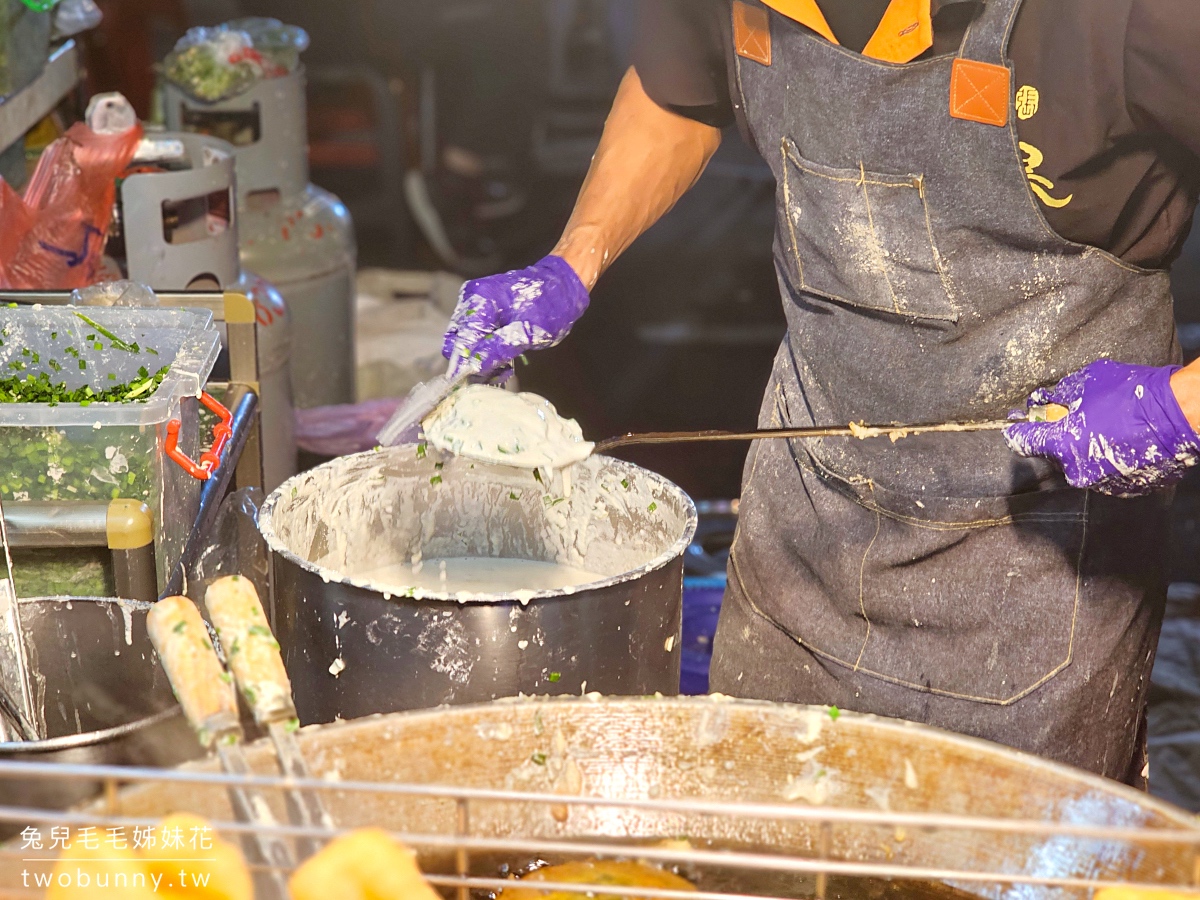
1040,184
1027,101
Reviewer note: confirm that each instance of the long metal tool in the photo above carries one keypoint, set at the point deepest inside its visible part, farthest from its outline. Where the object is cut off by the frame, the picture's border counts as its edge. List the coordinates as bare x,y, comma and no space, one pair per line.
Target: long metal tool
207,696
254,658
1051,413
16,697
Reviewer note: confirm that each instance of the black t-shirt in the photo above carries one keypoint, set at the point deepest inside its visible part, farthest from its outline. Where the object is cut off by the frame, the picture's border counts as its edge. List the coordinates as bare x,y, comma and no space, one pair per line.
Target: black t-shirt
1108,102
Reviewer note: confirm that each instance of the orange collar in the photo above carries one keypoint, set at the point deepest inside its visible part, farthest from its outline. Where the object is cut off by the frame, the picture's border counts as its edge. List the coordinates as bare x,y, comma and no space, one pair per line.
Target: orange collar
904,33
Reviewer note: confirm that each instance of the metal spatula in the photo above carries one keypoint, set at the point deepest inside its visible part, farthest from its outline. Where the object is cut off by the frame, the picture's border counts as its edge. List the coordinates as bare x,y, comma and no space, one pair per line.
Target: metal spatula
1051,413
420,402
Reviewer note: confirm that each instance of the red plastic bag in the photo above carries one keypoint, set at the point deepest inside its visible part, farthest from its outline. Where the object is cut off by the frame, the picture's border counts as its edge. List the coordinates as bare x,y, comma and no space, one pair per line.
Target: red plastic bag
53,238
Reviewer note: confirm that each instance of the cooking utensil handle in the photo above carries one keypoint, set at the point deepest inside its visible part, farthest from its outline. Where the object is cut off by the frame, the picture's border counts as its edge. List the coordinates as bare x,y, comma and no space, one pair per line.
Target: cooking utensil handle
251,650
210,459
205,691
257,664
203,688
1049,413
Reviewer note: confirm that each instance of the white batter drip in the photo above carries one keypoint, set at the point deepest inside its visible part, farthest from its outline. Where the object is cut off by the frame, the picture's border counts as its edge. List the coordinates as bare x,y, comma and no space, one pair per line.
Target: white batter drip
476,575
498,426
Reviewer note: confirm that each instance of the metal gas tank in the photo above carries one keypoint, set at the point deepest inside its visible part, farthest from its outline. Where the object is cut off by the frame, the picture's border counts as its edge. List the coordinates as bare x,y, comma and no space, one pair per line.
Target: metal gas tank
293,233
274,379
180,231
304,245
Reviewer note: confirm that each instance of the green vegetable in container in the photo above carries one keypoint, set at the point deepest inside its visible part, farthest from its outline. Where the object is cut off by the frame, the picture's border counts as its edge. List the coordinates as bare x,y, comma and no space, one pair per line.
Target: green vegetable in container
77,462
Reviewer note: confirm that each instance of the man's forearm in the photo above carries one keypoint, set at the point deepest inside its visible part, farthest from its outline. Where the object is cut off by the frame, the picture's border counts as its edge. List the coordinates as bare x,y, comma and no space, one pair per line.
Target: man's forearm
647,159
1186,385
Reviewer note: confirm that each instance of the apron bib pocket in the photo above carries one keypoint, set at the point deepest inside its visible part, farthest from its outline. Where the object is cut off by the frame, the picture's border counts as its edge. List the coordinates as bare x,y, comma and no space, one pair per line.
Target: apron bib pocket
887,257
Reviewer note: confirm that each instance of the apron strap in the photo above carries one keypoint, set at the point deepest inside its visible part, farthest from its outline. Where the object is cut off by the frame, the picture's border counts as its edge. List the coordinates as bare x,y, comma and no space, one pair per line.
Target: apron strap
986,39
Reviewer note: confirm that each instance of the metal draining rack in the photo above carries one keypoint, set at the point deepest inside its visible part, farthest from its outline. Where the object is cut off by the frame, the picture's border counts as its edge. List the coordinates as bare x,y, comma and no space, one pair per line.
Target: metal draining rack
1069,842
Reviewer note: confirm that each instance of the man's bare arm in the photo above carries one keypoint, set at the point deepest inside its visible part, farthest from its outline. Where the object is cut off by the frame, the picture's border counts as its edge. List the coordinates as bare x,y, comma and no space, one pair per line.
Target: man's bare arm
647,159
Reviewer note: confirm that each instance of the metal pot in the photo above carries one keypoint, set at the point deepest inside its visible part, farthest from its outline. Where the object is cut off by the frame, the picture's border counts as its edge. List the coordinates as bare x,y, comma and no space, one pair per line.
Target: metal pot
720,751
104,697
353,649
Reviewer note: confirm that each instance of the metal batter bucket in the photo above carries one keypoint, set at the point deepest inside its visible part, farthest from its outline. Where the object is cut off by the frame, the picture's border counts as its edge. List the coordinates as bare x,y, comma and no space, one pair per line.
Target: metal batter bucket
105,698
774,800
352,649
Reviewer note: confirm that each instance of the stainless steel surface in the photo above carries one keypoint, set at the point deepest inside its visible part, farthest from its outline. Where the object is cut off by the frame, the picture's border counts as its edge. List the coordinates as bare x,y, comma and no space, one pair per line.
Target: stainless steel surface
103,696
244,372
304,805
351,649
134,573
735,778
35,523
14,667
61,524
24,109
420,402
250,806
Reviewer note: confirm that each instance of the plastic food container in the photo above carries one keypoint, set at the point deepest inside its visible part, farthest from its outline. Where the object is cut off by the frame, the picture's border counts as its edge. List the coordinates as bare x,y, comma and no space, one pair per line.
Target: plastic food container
101,451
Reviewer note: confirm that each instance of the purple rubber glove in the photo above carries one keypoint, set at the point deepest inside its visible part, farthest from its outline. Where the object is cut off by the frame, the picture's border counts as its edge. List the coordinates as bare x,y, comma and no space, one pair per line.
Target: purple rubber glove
1125,434
500,317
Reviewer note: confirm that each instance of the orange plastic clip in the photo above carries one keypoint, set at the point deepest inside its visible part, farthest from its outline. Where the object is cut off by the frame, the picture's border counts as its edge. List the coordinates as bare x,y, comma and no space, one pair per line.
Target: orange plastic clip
211,458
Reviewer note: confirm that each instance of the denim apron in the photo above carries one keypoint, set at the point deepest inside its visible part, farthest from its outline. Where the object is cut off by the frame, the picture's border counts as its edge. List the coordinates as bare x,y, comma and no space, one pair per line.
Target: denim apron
936,578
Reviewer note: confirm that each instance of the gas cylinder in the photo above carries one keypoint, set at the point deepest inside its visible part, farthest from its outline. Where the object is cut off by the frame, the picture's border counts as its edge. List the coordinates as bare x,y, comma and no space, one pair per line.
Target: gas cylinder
291,232
176,229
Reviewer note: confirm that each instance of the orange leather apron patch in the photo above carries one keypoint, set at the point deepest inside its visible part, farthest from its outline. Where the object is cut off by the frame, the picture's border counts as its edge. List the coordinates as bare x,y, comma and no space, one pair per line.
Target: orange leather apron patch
752,32
979,92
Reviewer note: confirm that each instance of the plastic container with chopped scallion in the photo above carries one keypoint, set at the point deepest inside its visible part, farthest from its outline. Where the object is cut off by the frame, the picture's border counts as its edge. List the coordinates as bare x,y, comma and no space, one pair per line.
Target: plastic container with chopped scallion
85,398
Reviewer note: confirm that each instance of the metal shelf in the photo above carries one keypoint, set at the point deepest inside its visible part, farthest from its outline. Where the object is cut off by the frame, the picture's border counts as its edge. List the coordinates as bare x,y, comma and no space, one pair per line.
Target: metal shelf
31,104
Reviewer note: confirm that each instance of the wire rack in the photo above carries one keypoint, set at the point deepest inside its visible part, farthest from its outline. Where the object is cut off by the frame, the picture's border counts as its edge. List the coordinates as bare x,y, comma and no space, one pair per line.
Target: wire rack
989,857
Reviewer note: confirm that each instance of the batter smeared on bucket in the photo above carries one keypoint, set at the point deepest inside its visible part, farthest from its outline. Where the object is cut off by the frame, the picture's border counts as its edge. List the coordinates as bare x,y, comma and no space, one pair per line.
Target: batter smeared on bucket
498,426
478,575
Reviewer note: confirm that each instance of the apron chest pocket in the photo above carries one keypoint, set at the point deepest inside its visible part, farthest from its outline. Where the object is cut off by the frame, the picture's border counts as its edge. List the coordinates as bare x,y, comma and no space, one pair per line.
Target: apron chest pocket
862,239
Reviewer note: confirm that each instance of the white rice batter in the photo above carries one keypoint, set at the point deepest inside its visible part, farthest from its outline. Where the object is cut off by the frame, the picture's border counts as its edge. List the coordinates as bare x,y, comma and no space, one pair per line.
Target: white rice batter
477,575
498,426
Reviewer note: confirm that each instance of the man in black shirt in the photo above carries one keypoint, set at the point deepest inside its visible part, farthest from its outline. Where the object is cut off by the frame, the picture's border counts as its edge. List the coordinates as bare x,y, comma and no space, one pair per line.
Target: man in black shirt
1103,101
975,204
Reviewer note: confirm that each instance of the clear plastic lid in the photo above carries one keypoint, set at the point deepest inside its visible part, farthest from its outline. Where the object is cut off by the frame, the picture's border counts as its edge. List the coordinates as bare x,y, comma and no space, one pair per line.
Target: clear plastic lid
103,347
